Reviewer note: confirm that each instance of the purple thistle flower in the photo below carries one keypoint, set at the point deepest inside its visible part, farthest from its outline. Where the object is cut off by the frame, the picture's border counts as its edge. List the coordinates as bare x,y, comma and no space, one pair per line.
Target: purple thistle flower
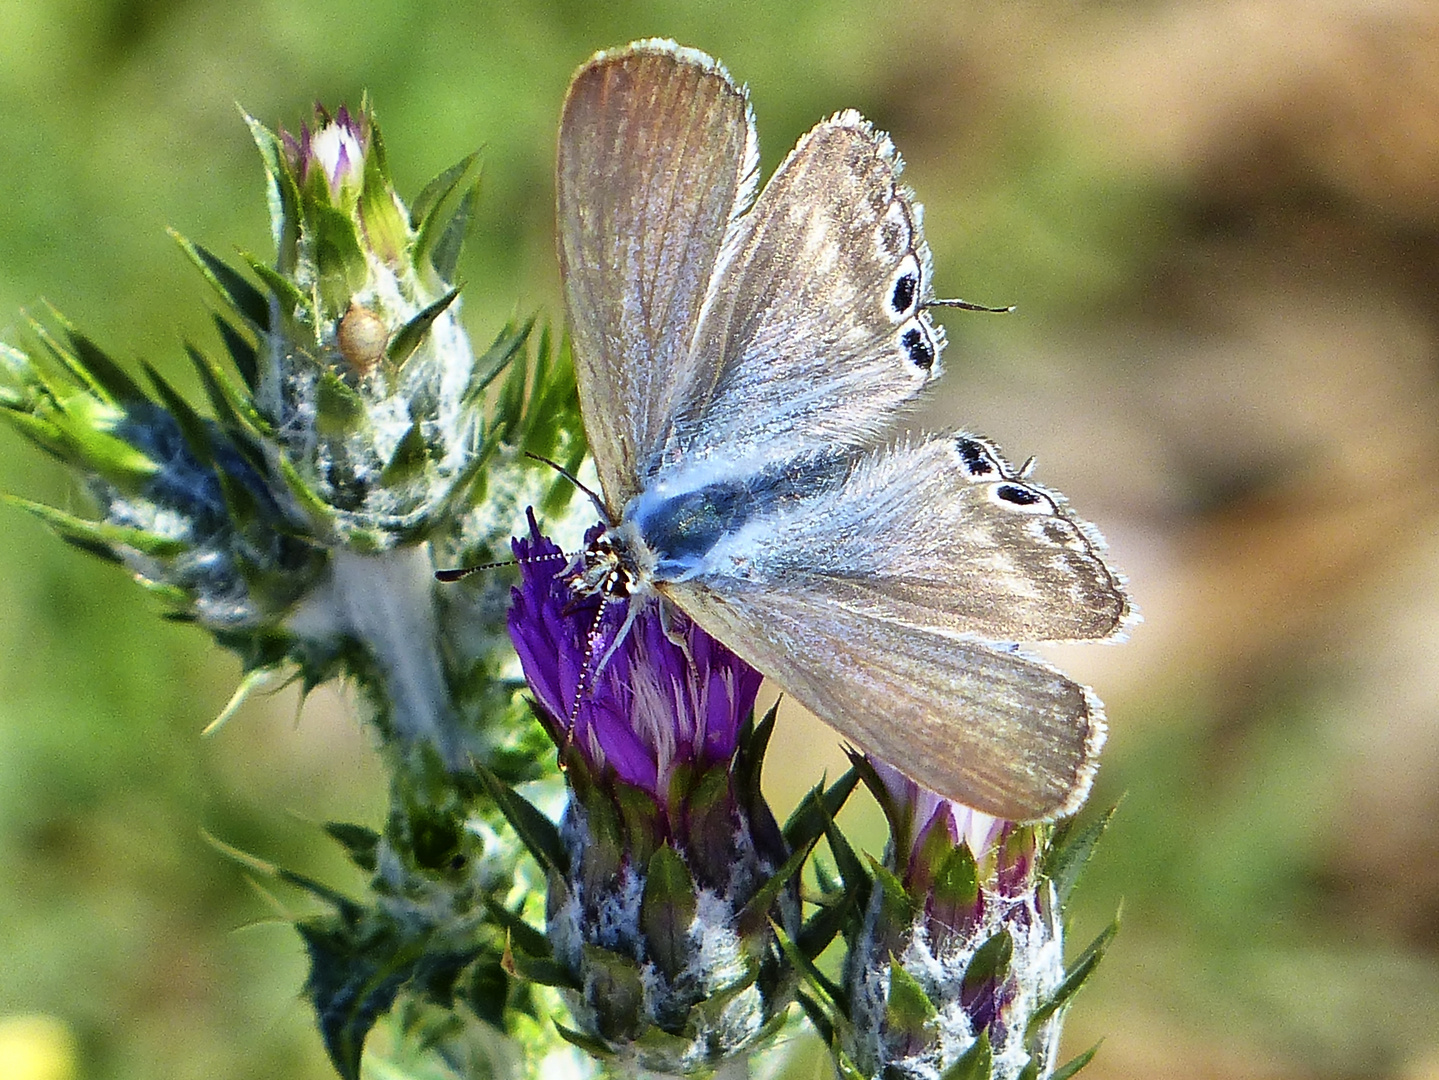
662,915
669,695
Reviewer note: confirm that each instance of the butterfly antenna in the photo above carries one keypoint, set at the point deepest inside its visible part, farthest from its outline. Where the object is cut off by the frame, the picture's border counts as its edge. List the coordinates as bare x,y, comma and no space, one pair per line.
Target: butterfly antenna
594,498
967,306
592,640
458,573
593,669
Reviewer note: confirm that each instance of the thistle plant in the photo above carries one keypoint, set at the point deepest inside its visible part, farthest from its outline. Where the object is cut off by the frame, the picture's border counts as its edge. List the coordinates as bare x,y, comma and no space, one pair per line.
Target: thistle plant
578,868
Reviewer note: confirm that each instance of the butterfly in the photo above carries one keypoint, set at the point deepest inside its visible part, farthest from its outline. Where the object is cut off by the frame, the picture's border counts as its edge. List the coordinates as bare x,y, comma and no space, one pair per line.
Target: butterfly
738,358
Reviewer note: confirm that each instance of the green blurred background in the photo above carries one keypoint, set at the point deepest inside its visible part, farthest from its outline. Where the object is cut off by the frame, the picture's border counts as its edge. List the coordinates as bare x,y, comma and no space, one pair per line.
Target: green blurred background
1219,220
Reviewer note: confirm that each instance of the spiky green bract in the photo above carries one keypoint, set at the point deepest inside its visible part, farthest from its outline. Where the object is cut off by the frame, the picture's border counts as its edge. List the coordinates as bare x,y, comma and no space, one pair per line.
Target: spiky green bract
429,942
427,946
956,968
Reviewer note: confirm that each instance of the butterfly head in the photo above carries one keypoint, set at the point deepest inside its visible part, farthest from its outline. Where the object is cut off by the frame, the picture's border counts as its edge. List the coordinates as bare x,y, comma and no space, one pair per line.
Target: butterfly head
616,565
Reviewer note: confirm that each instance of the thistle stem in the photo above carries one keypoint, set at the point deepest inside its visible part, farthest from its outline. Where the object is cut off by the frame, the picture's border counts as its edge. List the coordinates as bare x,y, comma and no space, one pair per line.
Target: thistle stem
386,602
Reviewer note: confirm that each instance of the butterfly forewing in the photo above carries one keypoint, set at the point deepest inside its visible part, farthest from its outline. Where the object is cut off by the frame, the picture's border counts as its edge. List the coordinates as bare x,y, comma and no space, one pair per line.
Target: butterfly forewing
941,536
815,332
656,156
990,728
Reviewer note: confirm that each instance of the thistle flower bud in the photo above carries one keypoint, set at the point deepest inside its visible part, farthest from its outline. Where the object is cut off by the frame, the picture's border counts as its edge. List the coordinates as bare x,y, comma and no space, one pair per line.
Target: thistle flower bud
957,968
334,153
672,865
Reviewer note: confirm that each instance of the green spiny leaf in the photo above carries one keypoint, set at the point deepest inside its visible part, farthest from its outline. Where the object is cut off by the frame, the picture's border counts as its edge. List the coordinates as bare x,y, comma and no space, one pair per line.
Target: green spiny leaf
496,358
989,964
445,255
232,408
899,824
815,1012
1069,852
100,534
385,228
377,142
835,1002
75,440
438,190
898,908
956,878
536,832
639,836
247,301
532,941
407,339
667,909
243,507
192,425
616,991
409,459
542,970
1069,1068
596,1048
339,257
823,926
321,514
353,982
1074,978
749,757
809,820
282,193
290,296
46,435
976,1063
907,1008
118,386
756,910
244,355
462,491
338,409
360,844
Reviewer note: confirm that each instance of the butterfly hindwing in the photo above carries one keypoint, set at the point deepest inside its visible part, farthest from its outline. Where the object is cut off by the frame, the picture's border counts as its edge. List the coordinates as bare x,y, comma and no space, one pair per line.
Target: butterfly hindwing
991,728
941,535
656,156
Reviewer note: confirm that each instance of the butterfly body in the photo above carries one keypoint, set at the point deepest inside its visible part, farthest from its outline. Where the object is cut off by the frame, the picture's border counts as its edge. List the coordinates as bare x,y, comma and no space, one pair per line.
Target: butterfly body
736,365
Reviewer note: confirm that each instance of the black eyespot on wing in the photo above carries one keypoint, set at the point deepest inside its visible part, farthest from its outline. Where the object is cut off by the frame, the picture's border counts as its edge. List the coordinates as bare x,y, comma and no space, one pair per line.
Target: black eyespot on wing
1013,493
906,287
919,348
975,459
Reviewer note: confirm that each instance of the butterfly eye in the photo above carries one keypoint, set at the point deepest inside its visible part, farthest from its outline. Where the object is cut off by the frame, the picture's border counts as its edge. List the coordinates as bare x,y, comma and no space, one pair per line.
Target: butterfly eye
975,459
918,345
904,294
1026,500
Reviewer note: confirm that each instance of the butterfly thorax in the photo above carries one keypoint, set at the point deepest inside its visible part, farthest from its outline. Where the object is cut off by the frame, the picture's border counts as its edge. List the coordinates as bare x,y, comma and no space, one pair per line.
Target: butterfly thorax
680,521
